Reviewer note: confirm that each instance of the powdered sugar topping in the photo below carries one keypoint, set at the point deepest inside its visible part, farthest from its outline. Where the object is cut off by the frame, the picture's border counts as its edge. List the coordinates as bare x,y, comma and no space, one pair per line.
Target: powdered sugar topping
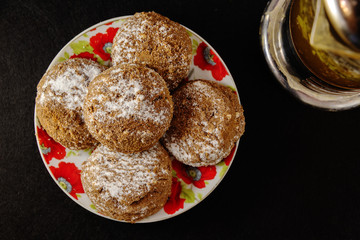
68,85
201,142
157,42
128,98
124,177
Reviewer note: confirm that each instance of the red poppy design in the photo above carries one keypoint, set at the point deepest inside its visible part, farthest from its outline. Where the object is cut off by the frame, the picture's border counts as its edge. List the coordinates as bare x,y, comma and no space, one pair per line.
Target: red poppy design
68,177
206,59
85,55
194,175
175,202
102,43
228,159
49,148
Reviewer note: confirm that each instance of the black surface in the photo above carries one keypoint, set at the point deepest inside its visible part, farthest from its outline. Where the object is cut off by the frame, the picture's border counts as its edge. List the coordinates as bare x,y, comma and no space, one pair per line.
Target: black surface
296,173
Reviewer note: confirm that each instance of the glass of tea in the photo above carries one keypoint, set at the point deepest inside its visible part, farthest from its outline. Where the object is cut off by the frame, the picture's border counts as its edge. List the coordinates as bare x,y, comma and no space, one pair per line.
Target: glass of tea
308,57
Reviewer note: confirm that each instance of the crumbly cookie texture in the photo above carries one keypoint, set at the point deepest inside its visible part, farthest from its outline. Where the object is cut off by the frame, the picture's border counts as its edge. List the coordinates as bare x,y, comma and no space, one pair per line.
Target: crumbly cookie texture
127,187
128,108
208,121
59,101
155,41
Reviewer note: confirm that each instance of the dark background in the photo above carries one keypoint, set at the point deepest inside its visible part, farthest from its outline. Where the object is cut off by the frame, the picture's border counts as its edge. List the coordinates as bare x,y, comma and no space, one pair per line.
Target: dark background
296,174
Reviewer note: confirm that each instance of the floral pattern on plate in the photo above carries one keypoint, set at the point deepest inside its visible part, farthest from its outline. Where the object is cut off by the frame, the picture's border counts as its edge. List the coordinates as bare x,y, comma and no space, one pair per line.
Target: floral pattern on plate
190,185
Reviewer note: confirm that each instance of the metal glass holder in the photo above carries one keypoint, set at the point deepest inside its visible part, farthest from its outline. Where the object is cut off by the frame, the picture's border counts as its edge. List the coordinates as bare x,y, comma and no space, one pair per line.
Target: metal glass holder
288,68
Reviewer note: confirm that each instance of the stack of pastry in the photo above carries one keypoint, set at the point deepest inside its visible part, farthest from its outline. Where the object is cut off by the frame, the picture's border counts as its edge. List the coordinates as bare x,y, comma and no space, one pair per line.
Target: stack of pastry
137,114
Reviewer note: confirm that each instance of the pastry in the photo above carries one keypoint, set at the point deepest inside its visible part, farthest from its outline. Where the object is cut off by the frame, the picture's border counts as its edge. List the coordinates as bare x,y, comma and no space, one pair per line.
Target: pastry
128,108
127,187
208,120
155,41
59,101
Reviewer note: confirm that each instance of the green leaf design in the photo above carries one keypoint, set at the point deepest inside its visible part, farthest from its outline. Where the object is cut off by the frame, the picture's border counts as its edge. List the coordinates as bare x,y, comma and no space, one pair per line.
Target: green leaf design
102,62
189,33
71,152
232,88
187,193
81,46
84,46
66,57
121,20
42,147
195,45
223,168
89,150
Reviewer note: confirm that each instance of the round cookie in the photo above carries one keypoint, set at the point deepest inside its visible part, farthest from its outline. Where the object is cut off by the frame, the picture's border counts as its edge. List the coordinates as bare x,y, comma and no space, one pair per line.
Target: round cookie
128,108
59,101
127,187
155,41
208,120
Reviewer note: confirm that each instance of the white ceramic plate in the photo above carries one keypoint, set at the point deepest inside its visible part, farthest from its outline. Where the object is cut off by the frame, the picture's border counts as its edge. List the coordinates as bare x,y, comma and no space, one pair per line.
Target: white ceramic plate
190,185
